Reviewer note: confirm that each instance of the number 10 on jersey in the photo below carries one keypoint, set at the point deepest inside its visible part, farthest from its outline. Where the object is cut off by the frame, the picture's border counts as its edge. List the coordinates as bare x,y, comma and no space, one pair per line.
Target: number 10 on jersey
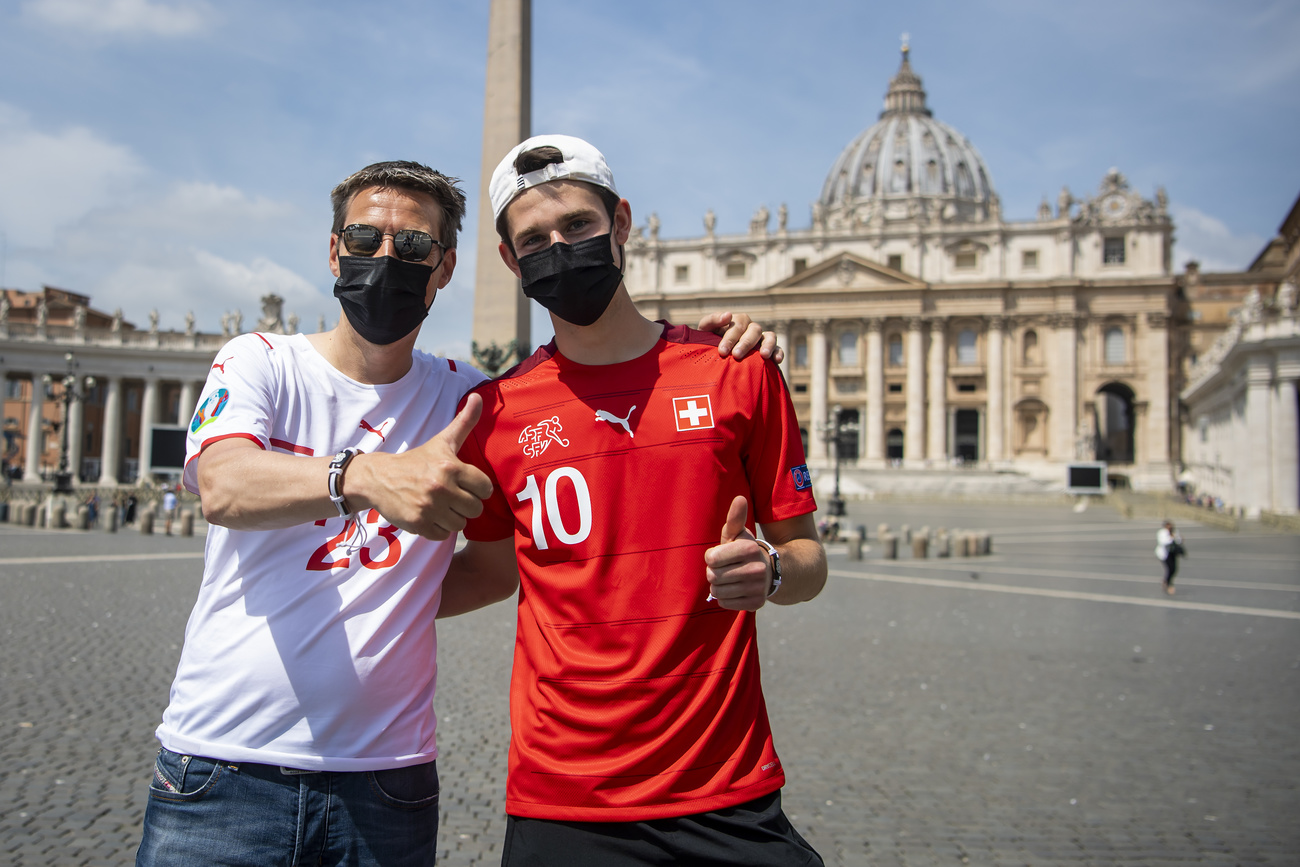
546,510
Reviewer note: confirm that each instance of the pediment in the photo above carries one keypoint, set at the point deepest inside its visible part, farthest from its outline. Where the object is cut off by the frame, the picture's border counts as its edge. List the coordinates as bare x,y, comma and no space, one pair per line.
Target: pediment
846,271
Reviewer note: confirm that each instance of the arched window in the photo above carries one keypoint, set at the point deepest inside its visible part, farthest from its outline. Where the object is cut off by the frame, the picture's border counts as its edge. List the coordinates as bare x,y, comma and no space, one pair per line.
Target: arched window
896,351
848,348
1030,354
1116,351
966,353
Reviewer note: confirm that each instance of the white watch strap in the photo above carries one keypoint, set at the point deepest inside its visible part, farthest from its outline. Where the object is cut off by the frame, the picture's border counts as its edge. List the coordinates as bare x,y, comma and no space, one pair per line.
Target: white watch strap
776,565
335,479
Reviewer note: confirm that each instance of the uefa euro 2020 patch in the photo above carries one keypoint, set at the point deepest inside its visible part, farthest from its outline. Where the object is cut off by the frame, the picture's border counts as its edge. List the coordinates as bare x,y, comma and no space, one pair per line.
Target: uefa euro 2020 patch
209,409
802,478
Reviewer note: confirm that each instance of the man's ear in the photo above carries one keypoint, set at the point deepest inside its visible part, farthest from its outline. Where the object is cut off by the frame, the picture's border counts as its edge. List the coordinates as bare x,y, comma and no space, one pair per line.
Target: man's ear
334,254
448,266
509,258
622,222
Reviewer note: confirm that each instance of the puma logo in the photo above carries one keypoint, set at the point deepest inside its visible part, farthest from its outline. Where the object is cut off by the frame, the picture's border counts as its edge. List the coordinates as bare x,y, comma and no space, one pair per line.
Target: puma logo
222,366
605,415
365,425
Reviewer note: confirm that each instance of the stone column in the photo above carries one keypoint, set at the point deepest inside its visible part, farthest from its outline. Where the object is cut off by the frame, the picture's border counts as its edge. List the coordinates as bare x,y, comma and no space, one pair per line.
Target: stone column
188,403
111,458
875,430
1065,385
32,464
1286,446
148,417
817,362
937,426
1257,492
914,442
501,312
1157,358
76,422
993,383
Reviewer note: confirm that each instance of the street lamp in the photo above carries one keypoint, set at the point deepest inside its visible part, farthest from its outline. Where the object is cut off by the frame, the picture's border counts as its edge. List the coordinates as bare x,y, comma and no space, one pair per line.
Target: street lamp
63,478
838,432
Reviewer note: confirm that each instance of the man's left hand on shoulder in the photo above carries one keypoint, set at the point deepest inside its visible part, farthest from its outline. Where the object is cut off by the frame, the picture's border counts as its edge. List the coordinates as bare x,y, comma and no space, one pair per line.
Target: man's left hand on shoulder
741,335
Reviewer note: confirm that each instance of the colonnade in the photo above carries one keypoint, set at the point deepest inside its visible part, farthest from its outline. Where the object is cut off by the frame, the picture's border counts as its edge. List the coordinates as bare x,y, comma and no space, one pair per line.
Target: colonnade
113,419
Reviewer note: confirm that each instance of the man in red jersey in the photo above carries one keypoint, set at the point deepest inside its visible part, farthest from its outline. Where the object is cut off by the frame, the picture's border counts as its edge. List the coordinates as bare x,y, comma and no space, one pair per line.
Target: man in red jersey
627,459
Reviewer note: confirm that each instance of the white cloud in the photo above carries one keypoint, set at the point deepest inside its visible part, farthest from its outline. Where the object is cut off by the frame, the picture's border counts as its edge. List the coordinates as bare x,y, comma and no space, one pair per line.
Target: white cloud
53,178
122,17
1209,241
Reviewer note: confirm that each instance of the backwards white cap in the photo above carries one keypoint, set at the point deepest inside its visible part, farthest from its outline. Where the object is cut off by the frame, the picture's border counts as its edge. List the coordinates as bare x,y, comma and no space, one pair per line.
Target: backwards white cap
582,162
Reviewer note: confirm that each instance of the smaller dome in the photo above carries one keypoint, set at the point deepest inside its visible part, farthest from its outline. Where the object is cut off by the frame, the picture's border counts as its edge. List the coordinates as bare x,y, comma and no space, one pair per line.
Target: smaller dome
908,155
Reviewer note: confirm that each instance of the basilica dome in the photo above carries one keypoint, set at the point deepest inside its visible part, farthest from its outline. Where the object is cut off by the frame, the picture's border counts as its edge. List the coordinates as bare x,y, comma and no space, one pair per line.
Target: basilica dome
907,166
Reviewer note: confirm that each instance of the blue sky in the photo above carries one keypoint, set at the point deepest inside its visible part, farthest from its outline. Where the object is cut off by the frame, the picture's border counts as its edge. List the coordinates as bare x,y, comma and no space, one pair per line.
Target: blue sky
178,154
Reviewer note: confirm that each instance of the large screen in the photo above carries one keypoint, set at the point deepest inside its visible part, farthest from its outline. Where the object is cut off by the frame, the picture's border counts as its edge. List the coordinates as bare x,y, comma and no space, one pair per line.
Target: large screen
168,452
1086,478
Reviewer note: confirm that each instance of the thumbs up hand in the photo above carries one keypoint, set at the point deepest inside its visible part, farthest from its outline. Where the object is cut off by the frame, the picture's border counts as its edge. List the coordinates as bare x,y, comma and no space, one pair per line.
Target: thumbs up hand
738,568
426,490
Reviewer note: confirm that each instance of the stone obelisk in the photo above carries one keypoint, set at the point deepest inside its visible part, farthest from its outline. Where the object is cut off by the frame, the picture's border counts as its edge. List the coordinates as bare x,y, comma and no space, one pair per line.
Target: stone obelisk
501,313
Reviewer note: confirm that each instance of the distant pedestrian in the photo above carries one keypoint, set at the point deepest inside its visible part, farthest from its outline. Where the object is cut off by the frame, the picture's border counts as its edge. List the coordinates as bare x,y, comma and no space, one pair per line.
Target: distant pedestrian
1169,547
169,508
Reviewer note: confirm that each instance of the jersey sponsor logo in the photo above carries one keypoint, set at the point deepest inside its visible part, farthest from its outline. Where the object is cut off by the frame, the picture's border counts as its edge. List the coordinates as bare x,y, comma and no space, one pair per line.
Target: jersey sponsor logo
802,478
693,413
209,409
538,437
221,365
624,422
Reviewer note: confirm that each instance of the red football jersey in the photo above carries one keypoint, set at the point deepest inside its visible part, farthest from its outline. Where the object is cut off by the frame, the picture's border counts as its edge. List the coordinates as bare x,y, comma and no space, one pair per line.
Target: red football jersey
632,697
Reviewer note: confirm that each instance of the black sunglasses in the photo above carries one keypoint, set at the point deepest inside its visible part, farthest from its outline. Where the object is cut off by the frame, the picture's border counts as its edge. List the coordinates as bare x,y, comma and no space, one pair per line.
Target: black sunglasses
411,245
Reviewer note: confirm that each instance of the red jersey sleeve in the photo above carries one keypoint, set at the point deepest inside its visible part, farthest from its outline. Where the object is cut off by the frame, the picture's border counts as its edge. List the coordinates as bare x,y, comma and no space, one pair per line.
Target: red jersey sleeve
496,521
774,457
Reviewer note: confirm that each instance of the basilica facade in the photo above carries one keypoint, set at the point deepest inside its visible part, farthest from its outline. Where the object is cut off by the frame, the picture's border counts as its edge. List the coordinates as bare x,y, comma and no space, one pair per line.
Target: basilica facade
925,330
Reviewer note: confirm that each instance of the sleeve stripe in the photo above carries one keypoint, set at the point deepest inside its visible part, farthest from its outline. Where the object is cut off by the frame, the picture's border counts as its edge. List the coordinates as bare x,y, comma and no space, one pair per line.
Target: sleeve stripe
291,447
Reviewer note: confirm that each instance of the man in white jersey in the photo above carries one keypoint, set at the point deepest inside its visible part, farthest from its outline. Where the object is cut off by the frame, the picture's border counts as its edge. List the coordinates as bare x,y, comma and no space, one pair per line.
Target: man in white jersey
301,726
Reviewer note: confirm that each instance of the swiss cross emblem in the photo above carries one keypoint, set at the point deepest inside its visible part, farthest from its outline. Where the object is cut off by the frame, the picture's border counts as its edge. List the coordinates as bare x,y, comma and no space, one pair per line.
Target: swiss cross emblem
693,413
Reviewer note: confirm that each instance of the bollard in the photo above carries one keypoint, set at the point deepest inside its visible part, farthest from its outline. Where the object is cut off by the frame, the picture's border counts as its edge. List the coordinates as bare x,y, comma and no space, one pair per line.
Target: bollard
145,519
881,530
924,531
942,545
920,544
889,546
862,532
187,523
4,513
58,516
110,519
83,517
855,546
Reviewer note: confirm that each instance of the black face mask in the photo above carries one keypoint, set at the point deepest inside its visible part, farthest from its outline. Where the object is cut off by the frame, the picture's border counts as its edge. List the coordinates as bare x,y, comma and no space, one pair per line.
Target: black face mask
575,282
382,297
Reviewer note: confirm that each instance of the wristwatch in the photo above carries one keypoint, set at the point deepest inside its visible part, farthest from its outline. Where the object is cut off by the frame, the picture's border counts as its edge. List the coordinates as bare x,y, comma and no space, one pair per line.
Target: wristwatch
776,566
335,479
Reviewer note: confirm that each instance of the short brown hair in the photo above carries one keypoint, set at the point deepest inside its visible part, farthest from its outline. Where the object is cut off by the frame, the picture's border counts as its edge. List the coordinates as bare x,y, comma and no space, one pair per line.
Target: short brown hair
411,177
535,158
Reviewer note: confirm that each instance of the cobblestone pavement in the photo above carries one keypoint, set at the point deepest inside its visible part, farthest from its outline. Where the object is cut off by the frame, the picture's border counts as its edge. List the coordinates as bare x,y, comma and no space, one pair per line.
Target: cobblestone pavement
1045,705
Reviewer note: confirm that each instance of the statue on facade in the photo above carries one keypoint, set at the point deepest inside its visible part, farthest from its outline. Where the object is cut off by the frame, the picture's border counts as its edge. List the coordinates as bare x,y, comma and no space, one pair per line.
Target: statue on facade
79,317
117,321
1286,301
153,321
1162,201
42,314
710,221
1063,203
819,216
272,321
782,217
758,225
225,324
4,307
652,225
293,324
189,324
1044,210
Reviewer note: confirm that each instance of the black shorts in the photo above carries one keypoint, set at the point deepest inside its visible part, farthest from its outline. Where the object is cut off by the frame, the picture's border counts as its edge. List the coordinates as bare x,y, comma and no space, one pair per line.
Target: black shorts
754,834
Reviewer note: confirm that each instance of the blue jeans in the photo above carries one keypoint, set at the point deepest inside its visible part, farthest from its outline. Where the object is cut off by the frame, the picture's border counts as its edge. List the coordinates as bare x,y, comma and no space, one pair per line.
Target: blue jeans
205,812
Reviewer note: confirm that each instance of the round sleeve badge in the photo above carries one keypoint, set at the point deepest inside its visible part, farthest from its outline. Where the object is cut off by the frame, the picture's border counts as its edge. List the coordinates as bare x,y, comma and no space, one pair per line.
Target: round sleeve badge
209,409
